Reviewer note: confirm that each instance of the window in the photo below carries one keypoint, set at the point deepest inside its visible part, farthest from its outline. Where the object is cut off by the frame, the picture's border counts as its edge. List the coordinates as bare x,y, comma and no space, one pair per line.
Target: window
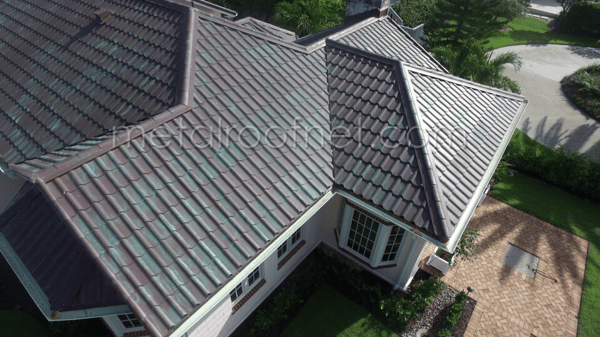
282,250
393,244
246,285
368,238
253,277
363,232
290,243
129,321
296,236
236,292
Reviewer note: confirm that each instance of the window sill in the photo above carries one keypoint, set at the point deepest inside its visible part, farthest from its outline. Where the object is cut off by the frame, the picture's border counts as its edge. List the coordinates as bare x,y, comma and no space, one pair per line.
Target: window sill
248,296
290,254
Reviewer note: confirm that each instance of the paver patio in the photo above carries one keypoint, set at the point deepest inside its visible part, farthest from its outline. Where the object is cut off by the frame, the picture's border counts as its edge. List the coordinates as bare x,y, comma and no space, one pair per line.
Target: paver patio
510,303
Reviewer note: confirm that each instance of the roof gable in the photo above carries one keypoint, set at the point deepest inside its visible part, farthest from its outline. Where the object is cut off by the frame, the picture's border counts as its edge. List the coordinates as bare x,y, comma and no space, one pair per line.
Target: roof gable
67,77
376,139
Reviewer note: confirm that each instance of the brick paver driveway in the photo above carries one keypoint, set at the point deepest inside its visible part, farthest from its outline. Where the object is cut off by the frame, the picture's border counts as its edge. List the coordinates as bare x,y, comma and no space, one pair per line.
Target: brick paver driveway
510,303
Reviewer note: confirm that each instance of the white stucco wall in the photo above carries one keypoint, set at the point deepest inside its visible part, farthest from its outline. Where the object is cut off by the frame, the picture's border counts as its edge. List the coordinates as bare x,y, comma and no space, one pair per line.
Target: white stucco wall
8,188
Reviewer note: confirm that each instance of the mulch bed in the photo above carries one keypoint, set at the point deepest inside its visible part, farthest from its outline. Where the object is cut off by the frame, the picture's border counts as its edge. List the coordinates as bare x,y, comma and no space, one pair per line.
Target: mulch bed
434,314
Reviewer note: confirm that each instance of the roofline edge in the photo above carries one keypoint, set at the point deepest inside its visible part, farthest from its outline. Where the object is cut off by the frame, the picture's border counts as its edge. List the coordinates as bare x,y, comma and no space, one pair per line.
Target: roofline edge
188,322
472,205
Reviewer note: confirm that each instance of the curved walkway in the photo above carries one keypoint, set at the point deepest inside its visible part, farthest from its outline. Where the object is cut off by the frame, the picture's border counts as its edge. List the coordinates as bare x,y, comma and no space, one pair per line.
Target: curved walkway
551,118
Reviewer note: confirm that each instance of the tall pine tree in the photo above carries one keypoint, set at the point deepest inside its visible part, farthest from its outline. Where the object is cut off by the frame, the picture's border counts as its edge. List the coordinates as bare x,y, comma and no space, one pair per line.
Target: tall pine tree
458,20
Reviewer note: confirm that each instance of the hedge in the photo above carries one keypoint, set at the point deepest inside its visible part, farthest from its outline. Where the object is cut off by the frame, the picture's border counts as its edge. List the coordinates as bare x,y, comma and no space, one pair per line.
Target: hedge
582,19
575,172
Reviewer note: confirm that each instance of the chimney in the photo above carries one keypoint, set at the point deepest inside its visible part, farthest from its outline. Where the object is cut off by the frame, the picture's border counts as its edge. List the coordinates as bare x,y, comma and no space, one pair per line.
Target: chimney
354,7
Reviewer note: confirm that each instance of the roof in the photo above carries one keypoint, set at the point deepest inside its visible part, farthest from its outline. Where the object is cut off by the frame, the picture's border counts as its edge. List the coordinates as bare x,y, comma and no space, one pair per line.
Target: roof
63,269
267,29
66,77
392,125
171,223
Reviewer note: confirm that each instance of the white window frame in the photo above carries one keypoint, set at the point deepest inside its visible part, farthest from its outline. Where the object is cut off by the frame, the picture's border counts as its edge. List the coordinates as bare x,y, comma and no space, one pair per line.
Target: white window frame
289,245
245,284
381,239
117,327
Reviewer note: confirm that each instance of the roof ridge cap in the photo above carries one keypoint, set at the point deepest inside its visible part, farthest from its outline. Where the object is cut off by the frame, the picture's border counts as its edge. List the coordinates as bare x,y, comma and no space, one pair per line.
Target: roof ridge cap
233,25
462,81
434,194
117,139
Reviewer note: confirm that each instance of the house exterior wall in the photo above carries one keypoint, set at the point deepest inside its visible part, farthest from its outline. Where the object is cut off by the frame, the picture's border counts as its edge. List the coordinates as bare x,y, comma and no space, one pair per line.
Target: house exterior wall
222,322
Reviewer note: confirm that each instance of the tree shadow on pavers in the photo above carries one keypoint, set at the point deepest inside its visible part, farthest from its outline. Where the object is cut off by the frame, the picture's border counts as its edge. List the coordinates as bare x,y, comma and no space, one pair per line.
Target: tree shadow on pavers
555,135
587,52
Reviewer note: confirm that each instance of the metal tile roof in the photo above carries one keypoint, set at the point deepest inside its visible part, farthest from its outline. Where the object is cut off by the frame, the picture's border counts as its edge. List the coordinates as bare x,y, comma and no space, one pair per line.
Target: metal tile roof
374,125
173,222
267,29
386,38
66,77
57,261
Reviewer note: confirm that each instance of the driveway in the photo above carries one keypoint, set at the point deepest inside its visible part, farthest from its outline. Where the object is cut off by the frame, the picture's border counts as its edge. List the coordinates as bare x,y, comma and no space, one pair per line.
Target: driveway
510,303
550,117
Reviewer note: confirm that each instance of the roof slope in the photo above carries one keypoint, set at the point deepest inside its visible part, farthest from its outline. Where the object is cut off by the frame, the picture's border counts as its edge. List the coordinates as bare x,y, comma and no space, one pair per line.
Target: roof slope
386,38
65,77
57,261
412,141
464,125
173,223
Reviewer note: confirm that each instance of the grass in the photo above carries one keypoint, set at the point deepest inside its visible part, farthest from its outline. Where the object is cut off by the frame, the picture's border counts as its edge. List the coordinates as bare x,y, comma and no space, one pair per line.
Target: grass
530,30
583,88
329,313
19,324
572,214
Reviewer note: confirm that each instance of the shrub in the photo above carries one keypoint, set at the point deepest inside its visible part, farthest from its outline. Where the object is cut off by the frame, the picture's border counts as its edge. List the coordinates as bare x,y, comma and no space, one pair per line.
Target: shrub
581,19
575,172
583,88
415,12
454,314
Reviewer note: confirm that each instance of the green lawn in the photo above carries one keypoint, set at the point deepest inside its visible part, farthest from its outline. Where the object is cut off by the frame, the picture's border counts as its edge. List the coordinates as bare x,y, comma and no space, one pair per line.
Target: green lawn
329,313
531,30
15,323
571,213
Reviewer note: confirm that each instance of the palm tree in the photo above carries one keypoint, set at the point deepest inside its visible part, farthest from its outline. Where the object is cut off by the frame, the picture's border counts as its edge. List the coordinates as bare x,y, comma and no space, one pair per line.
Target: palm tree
471,60
306,17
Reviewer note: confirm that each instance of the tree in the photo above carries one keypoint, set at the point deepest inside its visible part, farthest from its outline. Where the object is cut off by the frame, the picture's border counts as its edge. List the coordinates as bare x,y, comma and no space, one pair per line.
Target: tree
458,20
472,61
415,12
306,17
567,4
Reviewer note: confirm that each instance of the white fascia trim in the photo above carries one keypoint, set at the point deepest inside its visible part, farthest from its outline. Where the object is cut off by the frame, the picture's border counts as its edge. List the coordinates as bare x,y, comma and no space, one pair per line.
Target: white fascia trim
260,258
387,217
450,246
39,297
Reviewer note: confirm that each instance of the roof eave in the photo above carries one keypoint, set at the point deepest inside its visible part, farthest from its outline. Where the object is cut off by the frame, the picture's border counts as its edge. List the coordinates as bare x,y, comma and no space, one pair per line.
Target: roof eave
463,221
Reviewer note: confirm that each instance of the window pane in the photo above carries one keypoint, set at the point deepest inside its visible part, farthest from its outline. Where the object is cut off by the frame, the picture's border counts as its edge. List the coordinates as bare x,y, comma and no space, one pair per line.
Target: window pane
362,234
296,236
282,249
393,244
254,276
236,292
127,324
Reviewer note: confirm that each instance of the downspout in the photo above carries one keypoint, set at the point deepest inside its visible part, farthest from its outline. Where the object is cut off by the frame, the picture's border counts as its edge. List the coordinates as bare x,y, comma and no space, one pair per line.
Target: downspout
413,245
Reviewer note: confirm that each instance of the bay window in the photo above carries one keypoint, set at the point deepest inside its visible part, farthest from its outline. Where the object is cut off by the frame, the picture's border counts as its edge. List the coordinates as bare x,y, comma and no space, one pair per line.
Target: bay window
368,238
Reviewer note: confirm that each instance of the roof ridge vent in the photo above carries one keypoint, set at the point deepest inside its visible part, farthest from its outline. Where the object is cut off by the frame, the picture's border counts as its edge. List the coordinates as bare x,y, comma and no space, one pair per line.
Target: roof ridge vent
103,14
